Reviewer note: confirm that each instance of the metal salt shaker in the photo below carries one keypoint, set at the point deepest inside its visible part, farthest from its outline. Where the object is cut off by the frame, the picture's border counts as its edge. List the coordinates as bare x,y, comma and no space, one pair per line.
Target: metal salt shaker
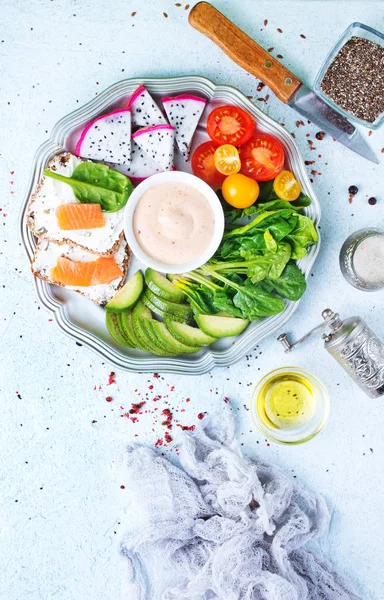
355,347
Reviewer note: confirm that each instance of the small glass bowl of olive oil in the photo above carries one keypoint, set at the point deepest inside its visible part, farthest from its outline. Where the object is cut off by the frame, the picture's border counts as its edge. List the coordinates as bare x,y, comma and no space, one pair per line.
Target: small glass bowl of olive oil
290,405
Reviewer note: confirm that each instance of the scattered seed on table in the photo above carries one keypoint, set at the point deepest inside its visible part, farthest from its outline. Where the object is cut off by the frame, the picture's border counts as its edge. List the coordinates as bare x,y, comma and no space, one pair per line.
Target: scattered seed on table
279,30
270,49
320,135
280,56
265,22
133,14
165,15
303,36
353,190
186,7
372,201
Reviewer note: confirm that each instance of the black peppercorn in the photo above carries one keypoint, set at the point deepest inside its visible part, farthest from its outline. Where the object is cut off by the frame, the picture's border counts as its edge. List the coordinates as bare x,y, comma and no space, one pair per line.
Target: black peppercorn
372,201
320,135
353,189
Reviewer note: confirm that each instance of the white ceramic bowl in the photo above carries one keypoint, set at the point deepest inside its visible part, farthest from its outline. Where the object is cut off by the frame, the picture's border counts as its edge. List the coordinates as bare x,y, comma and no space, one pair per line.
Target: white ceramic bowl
203,188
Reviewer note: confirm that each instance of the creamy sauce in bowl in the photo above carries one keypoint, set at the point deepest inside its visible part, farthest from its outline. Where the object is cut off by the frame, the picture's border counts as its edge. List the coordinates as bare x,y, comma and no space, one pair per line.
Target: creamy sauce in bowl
173,223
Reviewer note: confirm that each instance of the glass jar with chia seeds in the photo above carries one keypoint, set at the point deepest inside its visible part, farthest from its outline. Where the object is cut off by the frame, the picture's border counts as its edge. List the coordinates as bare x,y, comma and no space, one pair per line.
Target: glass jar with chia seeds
362,259
351,79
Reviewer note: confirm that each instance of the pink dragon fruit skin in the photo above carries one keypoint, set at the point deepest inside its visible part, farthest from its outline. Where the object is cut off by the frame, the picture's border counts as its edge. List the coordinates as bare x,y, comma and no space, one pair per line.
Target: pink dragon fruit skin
184,114
144,109
107,138
157,142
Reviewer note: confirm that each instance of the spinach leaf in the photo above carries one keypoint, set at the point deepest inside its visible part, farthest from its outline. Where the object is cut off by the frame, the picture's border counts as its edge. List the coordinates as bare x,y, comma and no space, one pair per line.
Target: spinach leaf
252,301
255,302
266,191
245,229
267,202
230,249
269,265
270,241
291,284
277,204
97,184
280,227
302,236
200,297
223,301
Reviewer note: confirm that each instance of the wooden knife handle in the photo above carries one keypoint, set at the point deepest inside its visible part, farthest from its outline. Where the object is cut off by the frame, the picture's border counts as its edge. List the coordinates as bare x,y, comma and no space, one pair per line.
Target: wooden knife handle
243,50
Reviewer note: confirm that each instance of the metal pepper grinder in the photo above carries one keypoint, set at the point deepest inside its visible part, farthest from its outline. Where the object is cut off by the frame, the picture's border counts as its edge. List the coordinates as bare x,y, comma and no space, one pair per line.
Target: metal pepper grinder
355,347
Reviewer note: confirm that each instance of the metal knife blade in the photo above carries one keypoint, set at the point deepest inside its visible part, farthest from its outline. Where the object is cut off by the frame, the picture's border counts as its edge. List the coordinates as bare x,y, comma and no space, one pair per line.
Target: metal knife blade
311,106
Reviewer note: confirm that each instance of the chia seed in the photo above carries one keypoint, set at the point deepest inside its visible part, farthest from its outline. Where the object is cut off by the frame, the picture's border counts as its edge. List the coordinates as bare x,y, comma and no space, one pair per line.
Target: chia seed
355,79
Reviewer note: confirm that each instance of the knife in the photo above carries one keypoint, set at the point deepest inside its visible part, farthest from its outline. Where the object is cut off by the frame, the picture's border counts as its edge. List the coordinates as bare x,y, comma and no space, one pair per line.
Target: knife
285,85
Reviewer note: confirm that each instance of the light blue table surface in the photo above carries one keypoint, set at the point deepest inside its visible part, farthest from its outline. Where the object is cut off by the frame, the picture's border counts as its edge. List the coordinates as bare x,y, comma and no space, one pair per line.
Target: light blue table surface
62,514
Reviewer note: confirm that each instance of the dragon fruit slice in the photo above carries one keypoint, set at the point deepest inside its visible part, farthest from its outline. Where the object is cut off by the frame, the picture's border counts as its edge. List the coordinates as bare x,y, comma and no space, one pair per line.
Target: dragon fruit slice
144,109
141,165
107,138
157,142
184,114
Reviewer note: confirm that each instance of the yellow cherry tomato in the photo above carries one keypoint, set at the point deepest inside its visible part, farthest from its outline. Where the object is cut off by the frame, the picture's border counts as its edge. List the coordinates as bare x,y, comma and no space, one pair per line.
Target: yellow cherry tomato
240,191
227,159
286,186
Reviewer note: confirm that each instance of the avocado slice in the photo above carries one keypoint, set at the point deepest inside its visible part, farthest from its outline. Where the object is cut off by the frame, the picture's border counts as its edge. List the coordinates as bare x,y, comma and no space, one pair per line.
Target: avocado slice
190,336
115,331
179,312
141,317
219,326
164,337
162,287
128,295
124,321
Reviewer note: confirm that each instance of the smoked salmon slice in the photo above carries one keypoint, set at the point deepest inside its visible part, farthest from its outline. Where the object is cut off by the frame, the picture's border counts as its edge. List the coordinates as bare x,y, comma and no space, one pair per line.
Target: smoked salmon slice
72,272
76,215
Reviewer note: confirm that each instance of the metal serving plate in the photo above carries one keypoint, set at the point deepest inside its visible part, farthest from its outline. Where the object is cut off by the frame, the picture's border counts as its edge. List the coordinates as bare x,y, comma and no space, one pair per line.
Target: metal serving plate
82,320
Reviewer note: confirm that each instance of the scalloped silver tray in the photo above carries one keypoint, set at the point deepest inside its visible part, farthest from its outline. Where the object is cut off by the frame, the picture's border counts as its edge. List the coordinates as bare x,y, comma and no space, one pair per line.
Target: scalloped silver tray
83,321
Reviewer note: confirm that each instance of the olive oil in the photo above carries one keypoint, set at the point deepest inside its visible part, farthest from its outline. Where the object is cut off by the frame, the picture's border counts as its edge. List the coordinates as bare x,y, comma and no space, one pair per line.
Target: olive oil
286,401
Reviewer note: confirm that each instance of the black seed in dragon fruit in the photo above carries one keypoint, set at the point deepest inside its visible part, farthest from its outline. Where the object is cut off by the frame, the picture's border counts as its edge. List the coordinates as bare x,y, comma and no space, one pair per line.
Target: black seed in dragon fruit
144,109
184,114
107,138
157,143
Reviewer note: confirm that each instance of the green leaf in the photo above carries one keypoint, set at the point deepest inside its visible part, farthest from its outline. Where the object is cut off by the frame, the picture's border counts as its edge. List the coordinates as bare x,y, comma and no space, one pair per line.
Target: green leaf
269,201
223,301
291,284
245,229
302,236
255,303
97,184
270,241
269,265
252,301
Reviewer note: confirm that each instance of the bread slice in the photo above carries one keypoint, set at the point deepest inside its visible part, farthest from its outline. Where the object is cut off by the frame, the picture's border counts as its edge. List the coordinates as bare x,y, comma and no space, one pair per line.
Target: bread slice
47,253
50,193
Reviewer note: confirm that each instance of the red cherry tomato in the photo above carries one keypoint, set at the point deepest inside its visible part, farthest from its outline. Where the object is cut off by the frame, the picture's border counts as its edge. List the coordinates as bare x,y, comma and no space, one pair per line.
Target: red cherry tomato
262,157
230,125
203,164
